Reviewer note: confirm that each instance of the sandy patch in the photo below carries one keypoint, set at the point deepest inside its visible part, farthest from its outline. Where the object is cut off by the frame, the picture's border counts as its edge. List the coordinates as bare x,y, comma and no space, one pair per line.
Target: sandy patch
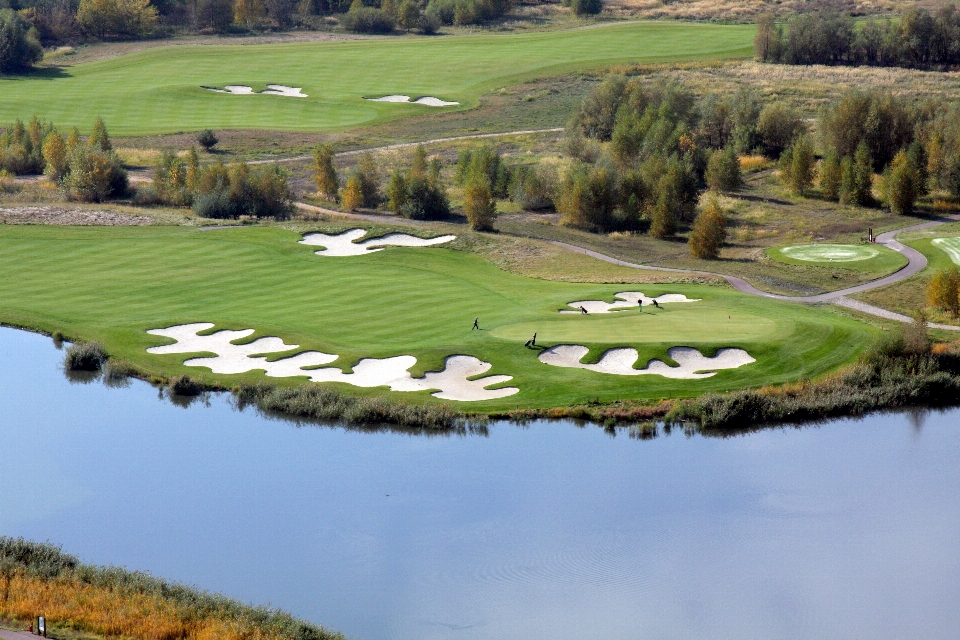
830,252
453,382
344,244
428,101
951,246
271,90
69,216
626,300
620,361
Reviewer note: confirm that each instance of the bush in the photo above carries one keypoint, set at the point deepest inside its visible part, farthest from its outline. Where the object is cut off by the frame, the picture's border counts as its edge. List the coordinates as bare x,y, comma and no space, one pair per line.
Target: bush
325,174
462,12
185,386
831,177
723,171
94,175
234,191
85,356
532,188
478,201
426,200
20,45
207,139
943,291
709,232
586,198
778,126
117,18
902,185
367,20
214,14
586,7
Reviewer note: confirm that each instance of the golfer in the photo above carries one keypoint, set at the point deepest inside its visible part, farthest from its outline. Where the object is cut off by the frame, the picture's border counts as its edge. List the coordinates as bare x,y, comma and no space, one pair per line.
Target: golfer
532,342
476,323
655,303
582,310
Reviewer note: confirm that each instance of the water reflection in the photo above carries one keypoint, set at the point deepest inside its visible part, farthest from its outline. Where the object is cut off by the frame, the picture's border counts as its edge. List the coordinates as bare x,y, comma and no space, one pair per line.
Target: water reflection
849,529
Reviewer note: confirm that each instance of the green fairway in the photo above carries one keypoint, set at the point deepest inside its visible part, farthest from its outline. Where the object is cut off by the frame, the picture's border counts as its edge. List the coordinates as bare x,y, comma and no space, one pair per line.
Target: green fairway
874,259
115,284
950,246
159,90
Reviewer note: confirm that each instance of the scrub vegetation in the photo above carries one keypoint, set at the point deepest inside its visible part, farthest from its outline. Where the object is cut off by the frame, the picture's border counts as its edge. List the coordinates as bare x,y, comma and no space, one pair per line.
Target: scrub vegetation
111,602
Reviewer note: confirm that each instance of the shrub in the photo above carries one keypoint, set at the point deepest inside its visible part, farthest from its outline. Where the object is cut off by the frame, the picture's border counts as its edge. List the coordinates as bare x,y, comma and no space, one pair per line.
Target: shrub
586,7
426,200
485,160
532,188
796,165
117,18
663,221
94,175
709,232
478,201
586,198
207,139
325,174
20,45
367,20
778,126
234,191
831,177
902,185
185,386
352,197
85,356
214,14
856,184
943,290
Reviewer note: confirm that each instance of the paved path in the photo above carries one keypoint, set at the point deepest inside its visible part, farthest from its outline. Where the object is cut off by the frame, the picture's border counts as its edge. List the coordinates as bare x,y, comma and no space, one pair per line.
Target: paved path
6,634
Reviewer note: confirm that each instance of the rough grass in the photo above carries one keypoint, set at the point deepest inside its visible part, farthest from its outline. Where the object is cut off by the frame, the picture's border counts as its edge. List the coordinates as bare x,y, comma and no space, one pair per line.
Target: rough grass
159,90
398,301
115,603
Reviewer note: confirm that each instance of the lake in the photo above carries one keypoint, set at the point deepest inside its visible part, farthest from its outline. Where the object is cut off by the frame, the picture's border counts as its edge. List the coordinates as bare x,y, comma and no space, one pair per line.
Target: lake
850,529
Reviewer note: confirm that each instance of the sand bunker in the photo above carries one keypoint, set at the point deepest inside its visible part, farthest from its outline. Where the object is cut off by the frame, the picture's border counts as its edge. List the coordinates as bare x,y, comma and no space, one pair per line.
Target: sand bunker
620,361
626,300
951,246
453,382
830,252
428,101
343,244
271,90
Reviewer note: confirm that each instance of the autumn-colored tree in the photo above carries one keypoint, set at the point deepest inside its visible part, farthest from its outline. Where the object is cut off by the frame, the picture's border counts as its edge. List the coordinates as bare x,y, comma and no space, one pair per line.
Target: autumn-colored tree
409,15
397,191
709,232
478,202
723,171
943,291
369,177
902,185
325,174
117,18
100,138
55,156
193,168
248,11
418,168
663,220
352,197
73,139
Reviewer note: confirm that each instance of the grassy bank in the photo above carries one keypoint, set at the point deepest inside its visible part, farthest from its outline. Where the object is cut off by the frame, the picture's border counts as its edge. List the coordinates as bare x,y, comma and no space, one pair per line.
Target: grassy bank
110,602
160,90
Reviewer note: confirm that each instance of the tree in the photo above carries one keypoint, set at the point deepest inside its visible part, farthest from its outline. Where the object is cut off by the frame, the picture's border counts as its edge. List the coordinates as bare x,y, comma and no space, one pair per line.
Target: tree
117,18
280,11
598,113
663,222
856,186
248,12
214,14
94,175
208,140
352,197
943,291
709,232
366,172
586,7
397,191
478,202
767,43
325,174
801,165
902,185
723,171
830,177
99,137
778,126
55,156
409,15
418,168
73,140
20,45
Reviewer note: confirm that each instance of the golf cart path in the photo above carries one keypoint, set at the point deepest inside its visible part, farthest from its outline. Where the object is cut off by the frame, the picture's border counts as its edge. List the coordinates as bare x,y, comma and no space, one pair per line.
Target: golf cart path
916,262
407,145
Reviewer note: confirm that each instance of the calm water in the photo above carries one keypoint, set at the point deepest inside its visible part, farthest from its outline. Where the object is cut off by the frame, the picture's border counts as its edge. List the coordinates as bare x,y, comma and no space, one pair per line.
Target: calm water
849,530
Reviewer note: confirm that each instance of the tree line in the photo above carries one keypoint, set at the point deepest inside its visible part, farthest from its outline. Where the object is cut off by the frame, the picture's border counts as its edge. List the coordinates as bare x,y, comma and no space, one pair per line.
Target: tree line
917,39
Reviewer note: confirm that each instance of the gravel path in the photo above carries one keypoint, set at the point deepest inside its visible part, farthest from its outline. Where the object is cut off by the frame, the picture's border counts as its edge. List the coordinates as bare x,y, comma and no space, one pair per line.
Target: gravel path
70,216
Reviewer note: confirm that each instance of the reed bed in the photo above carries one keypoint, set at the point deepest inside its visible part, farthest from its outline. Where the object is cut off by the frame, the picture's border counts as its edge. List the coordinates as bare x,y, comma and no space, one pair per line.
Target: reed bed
39,579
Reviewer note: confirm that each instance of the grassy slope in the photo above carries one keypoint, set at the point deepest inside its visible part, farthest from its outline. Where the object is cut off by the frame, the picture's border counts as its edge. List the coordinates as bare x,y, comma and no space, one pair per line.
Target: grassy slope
158,90
114,284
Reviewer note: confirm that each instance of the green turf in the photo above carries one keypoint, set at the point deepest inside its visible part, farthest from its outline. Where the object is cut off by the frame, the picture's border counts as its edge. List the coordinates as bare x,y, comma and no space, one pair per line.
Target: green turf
158,90
113,284
951,246
869,258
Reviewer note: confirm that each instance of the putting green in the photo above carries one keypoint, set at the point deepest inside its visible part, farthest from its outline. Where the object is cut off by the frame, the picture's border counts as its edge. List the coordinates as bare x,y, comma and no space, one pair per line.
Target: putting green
874,260
114,284
950,246
159,90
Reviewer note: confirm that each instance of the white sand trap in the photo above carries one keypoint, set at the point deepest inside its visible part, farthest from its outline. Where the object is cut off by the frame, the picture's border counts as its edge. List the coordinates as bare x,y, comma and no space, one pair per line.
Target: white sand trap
428,101
951,246
343,244
830,252
453,382
271,90
626,300
620,361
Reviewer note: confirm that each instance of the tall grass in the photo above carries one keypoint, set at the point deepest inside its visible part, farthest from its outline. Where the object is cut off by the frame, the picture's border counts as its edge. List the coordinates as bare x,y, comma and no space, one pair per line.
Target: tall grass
85,356
39,579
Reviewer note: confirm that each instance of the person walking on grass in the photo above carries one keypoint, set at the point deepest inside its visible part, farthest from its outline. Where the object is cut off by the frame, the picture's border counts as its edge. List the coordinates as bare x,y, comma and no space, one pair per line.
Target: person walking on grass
532,342
476,323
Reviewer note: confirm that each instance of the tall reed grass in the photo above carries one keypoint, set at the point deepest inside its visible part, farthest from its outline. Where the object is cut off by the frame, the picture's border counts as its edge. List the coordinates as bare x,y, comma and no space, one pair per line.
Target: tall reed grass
39,579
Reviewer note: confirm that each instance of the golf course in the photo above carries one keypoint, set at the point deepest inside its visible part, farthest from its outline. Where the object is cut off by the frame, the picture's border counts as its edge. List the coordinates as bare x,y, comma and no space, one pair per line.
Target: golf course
401,301
160,90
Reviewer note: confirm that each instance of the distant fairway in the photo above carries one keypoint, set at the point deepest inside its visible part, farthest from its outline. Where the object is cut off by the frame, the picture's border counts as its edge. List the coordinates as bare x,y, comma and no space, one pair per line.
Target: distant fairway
951,246
830,252
159,90
114,284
